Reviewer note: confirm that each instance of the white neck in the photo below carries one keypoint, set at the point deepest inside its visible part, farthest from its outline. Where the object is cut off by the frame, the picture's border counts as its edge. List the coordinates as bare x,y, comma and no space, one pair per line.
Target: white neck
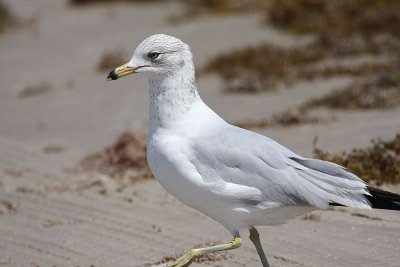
171,97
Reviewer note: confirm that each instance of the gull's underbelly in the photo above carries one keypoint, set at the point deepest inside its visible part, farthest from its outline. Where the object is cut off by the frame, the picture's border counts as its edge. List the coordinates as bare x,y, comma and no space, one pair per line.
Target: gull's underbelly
182,183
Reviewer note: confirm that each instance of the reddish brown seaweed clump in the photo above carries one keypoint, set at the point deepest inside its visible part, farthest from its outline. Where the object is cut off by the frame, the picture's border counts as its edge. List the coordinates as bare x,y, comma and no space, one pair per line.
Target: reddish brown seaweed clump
379,163
128,153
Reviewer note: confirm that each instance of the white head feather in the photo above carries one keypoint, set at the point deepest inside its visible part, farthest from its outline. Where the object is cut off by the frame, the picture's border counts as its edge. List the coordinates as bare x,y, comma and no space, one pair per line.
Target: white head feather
168,63
161,54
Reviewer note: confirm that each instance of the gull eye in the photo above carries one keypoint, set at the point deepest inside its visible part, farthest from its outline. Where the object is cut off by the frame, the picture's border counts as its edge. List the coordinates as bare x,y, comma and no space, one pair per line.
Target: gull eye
153,55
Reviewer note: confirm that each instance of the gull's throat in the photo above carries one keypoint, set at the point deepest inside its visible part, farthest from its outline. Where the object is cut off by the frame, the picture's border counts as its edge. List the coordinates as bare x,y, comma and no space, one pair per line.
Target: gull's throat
171,98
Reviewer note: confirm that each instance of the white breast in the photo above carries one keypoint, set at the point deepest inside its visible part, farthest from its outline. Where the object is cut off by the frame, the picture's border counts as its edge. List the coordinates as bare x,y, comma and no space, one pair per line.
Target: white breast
169,164
169,160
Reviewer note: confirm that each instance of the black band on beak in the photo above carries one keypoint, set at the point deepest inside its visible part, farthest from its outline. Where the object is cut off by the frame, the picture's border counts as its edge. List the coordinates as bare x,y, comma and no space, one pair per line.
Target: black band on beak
112,75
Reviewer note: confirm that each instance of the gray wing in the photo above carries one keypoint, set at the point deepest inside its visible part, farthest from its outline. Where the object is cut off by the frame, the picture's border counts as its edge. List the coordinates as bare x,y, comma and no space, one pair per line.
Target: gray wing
245,158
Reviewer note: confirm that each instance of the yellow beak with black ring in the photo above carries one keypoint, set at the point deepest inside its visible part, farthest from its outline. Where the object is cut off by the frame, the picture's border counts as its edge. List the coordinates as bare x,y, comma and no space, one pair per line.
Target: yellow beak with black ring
122,71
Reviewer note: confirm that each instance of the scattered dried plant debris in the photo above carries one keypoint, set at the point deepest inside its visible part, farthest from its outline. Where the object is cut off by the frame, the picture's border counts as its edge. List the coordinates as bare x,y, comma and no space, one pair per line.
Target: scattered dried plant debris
380,92
378,163
323,17
111,59
258,68
356,214
293,117
340,17
312,217
86,2
268,67
127,156
75,187
35,90
357,70
156,228
26,190
52,223
343,29
336,208
7,206
207,258
287,118
260,124
280,258
223,6
196,8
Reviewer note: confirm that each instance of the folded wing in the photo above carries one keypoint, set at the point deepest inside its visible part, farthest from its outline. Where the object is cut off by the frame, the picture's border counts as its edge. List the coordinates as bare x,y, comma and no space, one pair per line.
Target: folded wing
238,156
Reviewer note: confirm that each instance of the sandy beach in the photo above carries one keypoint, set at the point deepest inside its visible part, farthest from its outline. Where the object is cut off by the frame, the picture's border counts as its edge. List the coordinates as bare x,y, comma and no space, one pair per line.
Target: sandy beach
53,215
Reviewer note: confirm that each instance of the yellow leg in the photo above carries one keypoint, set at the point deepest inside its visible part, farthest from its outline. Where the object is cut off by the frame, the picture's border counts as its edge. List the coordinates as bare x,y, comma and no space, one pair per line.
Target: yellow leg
189,256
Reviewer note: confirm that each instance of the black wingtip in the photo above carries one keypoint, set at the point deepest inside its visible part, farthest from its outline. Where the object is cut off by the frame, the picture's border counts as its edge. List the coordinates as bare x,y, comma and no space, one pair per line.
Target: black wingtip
381,199
112,75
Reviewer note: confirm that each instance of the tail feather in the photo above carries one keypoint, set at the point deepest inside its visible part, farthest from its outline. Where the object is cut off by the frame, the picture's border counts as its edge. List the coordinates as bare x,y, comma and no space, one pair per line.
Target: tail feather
327,183
381,199
341,187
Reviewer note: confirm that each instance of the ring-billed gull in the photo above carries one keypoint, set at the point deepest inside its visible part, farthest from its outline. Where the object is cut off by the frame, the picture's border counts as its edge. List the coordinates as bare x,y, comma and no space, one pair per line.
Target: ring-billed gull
239,178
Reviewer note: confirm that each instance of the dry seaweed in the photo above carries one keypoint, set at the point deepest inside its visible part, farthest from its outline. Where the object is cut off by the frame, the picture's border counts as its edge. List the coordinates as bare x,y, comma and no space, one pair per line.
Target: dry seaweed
196,8
127,156
380,92
359,70
336,18
312,217
356,214
223,6
286,260
378,163
86,2
343,30
287,118
7,206
267,67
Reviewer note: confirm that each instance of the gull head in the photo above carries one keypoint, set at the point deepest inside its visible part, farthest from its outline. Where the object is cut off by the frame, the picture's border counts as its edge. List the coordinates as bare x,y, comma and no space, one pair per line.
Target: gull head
158,54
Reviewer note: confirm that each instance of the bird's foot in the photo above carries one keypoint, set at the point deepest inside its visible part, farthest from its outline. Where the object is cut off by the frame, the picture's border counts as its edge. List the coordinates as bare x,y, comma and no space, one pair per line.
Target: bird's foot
187,258
192,254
